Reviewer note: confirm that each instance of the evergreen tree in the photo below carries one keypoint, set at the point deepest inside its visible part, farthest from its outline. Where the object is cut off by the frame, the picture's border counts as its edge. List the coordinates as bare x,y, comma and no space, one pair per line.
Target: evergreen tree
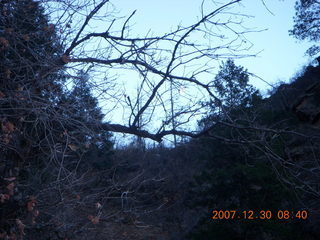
83,113
232,85
29,46
29,89
29,85
84,110
84,105
307,23
44,129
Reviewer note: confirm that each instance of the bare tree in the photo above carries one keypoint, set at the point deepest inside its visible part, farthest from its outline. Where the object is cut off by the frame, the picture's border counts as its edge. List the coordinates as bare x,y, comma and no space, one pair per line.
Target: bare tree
182,58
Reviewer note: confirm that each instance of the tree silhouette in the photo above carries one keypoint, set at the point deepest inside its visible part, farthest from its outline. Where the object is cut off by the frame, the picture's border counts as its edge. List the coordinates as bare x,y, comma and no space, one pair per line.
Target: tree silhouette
83,109
234,92
157,60
307,23
232,85
29,94
82,102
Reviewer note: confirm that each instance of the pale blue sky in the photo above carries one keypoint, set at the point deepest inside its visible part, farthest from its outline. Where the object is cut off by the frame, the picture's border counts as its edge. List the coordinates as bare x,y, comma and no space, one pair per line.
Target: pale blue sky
282,55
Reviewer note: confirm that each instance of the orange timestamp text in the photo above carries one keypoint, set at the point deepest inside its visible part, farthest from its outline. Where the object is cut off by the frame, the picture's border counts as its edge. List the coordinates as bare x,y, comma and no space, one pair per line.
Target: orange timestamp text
259,215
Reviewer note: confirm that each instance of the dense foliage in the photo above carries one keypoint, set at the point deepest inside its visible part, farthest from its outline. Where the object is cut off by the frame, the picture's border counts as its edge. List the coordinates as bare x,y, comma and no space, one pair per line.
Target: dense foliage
42,138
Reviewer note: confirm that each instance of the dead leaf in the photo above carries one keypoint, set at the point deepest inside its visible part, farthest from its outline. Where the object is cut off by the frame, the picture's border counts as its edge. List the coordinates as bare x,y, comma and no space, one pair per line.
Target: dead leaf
4,197
4,42
33,198
9,30
94,220
26,37
65,58
2,95
31,203
10,187
21,226
7,138
73,147
7,127
51,27
30,206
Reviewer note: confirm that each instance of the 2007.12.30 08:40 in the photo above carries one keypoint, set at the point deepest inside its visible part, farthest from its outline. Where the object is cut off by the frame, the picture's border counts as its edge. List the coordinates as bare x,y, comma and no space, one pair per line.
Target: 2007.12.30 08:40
262,215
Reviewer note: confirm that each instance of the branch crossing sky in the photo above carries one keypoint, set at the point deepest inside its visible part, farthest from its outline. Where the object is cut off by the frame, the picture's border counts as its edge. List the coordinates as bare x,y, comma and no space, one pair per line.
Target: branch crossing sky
280,56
